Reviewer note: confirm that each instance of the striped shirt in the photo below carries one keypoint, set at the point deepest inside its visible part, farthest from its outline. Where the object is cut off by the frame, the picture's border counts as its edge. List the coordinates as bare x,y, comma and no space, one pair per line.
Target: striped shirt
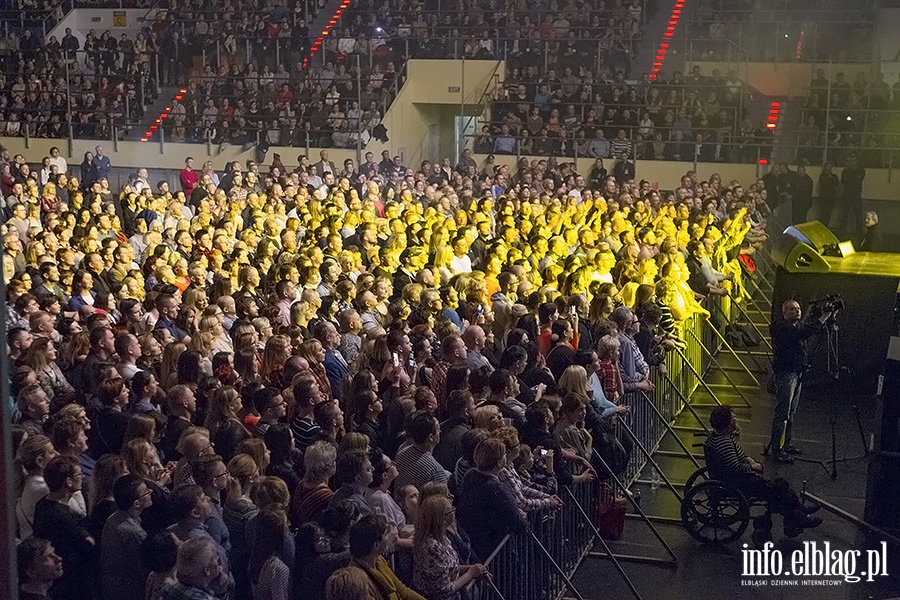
724,456
305,432
417,468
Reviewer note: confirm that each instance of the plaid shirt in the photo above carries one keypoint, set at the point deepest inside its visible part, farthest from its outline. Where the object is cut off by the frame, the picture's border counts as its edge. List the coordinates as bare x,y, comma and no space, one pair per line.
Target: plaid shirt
439,380
527,498
611,379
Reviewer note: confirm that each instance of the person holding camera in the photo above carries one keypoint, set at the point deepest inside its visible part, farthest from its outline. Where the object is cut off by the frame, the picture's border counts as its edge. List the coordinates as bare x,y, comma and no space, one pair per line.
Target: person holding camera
789,361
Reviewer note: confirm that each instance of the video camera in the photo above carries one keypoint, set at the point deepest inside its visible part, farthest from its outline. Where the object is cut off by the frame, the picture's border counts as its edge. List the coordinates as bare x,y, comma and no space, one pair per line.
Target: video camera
830,303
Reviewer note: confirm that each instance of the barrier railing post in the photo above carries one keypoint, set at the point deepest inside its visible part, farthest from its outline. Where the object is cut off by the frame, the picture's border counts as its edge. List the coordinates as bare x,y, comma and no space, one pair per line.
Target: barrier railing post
559,570
744,314
699,377
669,429
712,357
687,404
649,456
608,551
733,353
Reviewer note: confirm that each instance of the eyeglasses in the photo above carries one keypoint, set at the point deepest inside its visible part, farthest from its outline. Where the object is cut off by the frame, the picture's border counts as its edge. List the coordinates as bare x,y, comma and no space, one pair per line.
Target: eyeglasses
145,494
220,475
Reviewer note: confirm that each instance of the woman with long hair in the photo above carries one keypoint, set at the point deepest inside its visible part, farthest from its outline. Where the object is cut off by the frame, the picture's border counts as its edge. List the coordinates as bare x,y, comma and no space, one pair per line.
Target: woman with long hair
280,442
314,353
437,573
142,427
41,357
366,408
168,371
328,416
100,500
238,510
574,380
33,455
270,577
277,351
570,430
88,171
256,449
82,286
226,430
144,393
142,461
315,558
192,368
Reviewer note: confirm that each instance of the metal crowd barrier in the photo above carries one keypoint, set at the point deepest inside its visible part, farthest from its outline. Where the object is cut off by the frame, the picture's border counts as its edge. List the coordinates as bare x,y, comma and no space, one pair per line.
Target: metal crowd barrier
540,562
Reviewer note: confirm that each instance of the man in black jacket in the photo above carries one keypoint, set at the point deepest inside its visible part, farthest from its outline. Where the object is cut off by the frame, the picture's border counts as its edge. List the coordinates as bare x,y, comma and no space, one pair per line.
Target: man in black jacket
788,363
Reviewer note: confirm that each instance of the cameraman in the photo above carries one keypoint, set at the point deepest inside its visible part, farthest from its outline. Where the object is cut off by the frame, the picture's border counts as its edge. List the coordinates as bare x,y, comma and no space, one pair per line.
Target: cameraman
788,364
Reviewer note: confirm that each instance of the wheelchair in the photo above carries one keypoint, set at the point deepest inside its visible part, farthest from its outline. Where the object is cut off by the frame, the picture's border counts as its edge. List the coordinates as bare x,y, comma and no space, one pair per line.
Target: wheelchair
715,513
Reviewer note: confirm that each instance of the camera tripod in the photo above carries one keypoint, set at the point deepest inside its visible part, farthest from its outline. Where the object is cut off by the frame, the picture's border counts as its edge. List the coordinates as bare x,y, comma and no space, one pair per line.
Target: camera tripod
839,374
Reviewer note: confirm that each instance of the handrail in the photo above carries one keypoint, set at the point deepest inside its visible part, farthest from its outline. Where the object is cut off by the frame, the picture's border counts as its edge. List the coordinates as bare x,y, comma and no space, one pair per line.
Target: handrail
483,100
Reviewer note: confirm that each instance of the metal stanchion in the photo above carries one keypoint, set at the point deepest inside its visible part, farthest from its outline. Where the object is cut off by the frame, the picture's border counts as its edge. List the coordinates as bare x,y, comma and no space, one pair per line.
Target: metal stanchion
723,371
649,456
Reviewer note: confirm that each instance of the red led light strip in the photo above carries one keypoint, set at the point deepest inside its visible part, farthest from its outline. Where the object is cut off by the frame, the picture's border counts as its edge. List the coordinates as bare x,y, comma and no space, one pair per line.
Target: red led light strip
163,115
771,123
663,48
774,111
316,46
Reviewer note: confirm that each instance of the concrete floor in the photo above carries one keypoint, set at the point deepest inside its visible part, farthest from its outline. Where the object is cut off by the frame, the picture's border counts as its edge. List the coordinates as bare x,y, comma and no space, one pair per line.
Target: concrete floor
715,573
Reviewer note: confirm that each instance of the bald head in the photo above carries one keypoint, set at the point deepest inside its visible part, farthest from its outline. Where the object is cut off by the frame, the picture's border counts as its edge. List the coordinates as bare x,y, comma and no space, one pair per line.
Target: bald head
474,338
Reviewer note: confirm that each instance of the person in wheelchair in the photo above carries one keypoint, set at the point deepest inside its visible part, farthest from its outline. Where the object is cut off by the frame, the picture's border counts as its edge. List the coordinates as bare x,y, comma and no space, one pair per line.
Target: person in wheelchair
728,463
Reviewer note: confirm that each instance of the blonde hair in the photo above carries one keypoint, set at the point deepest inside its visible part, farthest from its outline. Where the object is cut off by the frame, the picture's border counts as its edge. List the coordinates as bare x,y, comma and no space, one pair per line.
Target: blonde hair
574,380
256,449
308,350
352,442
607,346
349,583
483,417
431,520
434,488
271,490
241,468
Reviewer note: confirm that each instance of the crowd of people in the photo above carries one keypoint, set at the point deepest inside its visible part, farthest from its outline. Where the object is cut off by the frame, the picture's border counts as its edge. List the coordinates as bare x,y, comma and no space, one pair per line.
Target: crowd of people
575,113
540,34
323,382
244,68
94,85
843,117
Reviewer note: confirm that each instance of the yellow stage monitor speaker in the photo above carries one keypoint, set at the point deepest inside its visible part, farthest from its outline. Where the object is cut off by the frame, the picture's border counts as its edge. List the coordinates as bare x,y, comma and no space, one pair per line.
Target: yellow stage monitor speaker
817,235
798,257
